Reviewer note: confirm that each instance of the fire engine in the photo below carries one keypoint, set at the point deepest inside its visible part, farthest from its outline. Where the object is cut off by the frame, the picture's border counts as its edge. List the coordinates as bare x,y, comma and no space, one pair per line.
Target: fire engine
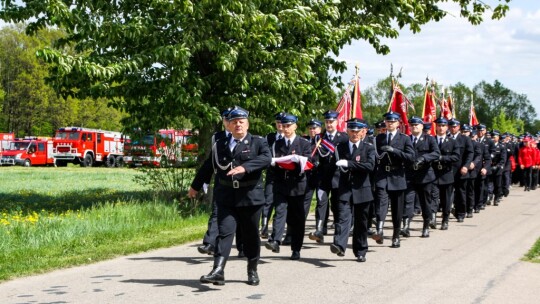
29,151
88,147
166,146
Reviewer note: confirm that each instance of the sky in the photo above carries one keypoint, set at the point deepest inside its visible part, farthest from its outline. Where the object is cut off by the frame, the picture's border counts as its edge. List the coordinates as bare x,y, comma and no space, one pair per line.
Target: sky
453,50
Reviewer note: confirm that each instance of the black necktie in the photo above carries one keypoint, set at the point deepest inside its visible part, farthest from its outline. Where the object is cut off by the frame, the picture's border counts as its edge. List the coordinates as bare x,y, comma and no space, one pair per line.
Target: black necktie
389,138
354,147
237,141
288,143
331,137
279,136
414,141
440,142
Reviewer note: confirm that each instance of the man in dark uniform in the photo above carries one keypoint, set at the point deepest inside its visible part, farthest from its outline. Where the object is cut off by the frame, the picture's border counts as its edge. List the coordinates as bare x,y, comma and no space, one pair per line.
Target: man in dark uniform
328,177
420,176
355,160
443,168
238,164
490,147
497,162
507,171
289,188
314,134
393,149
269,180
478,150
434,189
461,168
209,240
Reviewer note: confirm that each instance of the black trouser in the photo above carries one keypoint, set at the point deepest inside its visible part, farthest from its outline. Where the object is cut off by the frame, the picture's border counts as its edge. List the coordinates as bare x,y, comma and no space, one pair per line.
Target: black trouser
322,211
480,192
307,199
344,219
527,177
396,199
435,198
296,219
534,179
497,186
445,195
268,202
212,230
470,195
460,196
506,180
422,193
247,220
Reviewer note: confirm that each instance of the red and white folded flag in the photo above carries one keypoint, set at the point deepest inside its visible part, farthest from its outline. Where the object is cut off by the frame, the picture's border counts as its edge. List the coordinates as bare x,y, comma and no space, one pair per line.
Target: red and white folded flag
288,162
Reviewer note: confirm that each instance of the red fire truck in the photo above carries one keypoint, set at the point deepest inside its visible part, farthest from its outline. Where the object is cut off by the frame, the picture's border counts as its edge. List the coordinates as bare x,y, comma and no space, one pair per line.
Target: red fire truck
29,151
166,146
88,147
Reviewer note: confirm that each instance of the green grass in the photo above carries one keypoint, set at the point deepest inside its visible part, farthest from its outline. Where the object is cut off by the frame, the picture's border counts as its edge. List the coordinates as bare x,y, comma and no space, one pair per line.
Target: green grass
534,254
60,217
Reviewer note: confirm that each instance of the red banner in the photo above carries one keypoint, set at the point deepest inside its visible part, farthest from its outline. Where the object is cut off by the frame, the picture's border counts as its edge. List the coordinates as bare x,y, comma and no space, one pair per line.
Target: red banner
429,113
473,120
400,104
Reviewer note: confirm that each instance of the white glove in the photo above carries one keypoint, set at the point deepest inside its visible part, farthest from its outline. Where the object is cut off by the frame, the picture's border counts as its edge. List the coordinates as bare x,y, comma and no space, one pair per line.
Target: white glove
342,163
273,163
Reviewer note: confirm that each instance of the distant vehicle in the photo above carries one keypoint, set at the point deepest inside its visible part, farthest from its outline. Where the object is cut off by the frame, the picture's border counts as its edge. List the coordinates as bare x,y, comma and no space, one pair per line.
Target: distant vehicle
88,147
167,146
29,151
5,139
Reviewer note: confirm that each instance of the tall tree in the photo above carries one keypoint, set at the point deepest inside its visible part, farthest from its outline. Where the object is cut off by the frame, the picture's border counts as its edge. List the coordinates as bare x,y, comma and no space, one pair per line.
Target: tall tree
168,58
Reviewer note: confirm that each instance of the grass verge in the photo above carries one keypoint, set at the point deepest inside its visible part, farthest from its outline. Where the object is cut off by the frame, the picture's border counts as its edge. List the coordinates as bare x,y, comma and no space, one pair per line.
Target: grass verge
534,253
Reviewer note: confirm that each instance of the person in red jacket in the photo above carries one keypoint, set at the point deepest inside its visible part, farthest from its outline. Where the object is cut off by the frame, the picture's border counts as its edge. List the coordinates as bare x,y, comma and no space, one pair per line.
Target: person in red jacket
536,166
527,159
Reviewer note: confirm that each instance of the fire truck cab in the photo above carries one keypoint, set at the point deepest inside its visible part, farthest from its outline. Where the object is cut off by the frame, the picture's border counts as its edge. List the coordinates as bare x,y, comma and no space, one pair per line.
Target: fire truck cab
88,147
29,151
5,139
165,146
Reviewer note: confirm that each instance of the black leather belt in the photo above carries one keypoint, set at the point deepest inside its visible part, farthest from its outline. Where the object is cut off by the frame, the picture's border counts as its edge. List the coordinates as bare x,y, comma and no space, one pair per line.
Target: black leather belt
390,168
237,184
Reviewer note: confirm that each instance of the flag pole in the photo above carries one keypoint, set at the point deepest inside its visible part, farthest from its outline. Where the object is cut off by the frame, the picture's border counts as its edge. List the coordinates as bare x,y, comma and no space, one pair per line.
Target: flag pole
425,97
356,97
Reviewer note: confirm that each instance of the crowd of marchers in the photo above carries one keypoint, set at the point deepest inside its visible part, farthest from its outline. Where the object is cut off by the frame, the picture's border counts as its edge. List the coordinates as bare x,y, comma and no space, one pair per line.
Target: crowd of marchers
264,186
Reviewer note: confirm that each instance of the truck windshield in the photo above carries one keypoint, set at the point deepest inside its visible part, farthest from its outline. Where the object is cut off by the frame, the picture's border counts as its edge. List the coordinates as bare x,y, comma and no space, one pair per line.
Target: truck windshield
145,140
18,145
68,135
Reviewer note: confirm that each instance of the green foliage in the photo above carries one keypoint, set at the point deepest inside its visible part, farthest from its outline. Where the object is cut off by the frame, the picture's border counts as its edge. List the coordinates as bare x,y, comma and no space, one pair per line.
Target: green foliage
171,180
504,123
164,59
534,254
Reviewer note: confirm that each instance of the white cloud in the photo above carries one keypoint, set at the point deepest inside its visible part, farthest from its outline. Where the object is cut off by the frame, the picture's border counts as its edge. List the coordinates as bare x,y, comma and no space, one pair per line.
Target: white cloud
454,51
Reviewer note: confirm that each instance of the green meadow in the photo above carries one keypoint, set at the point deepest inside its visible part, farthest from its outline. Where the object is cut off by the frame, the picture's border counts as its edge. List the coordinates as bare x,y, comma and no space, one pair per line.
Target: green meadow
54,218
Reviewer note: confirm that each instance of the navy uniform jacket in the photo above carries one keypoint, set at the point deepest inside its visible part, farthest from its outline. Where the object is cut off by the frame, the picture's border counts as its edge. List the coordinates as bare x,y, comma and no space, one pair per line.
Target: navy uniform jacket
477,160
443,167
354,180
327,170
390,172
253,154
498,158
290,182
270,139
426,147
466,153
313,178
490,145
509,152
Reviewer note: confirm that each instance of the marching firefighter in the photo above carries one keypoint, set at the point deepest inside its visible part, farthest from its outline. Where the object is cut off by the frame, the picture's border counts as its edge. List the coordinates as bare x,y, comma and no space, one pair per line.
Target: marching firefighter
238,163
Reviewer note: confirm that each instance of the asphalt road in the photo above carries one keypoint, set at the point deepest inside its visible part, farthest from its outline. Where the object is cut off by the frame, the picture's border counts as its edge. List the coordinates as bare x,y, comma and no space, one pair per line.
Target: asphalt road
477,261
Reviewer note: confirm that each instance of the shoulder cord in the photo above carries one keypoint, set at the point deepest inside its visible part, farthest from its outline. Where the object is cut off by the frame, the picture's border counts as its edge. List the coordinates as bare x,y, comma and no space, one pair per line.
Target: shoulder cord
382,155
216,160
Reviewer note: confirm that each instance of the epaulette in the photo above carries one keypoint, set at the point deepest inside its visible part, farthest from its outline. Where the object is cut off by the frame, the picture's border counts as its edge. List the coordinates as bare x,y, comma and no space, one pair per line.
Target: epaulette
257,136
368,143
304,139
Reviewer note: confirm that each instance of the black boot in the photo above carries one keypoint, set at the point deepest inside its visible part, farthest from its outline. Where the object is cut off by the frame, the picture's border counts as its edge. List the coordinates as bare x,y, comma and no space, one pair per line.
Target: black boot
253,277
264,229
318,235
444,225
405,230
379,236
433,222
217,275
425,229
